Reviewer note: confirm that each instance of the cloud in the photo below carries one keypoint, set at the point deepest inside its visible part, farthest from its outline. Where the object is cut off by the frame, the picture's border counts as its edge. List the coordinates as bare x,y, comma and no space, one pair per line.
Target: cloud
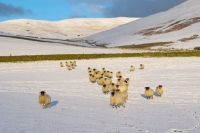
125,8
8,10
138,8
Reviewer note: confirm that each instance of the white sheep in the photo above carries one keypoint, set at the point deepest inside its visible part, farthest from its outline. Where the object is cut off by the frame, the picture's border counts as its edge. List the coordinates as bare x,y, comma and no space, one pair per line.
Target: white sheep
141,66
69,68
116,100
103,70
113,87
124,95
105,89
110,74
122,88
159,90
92,78
44,99
100,81
118,74
66,63
61,64
107,81
132,68
89,69
149,92
75,63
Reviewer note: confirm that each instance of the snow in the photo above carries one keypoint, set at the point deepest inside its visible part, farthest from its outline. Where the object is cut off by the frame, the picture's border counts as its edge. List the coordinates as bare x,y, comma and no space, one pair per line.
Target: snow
64,29
24,47
128,34
80,106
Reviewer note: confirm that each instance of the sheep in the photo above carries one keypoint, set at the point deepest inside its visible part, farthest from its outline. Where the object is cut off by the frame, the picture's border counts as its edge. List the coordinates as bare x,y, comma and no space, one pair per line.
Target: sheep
95,70
75,63
122,88
108,81
97,74
105,89
113,87
89,69
159,90
92,78
141,66
61,64
132,68
118,82
103,70
100,81
116,100
44,99
91,72
128,81
148,92
69,68
121,79
124,95
66,63
110,75
118,74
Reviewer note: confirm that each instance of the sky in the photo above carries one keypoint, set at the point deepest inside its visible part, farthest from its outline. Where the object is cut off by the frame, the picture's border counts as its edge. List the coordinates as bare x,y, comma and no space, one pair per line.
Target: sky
55,10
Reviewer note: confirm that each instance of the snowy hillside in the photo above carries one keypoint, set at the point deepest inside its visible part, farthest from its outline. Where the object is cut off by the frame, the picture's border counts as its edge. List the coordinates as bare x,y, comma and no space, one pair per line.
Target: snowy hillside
180,25
65,29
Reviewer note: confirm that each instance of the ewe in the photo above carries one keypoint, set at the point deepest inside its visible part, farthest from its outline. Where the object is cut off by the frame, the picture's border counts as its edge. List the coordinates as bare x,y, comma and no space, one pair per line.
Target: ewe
44,99
141,66
61,64
132,68
149,92
116,100
159,90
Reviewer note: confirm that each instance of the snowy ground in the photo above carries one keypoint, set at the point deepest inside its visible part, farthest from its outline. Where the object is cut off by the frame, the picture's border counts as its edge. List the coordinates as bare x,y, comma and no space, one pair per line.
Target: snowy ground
25,47
79,106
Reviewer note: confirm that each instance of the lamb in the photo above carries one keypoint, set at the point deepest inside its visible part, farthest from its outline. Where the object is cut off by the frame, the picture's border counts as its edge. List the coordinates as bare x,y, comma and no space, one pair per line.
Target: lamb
149,92
124,95
118,74
91,72
132,68
116,100
72,66
141,66
159,90
44,99
97,74
105,89
61,64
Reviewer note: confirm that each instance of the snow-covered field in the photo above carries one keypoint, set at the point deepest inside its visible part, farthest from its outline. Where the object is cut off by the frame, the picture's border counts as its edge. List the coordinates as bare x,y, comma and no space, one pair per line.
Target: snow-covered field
24,47
79,106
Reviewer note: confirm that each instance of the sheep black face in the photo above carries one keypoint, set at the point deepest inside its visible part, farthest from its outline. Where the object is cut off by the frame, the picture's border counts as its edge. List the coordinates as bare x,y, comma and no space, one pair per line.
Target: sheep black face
117,86
112,93
147,88
118,79
42,93
113,84
104,85
127,79
160,86
117,90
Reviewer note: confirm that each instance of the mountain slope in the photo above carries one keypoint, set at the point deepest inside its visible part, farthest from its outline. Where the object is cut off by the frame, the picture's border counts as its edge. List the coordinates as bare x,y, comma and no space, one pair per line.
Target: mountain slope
65,29
182,21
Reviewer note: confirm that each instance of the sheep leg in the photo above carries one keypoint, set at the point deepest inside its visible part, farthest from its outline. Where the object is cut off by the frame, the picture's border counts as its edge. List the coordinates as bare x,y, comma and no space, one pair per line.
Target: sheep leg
123,105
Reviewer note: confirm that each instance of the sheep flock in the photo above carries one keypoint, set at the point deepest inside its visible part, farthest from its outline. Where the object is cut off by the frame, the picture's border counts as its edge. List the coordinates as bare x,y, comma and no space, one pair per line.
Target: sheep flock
104,78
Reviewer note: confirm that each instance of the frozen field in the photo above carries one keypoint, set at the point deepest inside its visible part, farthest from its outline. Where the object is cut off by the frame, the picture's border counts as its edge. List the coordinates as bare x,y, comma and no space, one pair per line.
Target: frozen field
79,106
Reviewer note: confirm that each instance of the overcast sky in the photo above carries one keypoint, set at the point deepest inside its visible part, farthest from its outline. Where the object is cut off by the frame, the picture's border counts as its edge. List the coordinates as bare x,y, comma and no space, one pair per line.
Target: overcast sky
54,10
